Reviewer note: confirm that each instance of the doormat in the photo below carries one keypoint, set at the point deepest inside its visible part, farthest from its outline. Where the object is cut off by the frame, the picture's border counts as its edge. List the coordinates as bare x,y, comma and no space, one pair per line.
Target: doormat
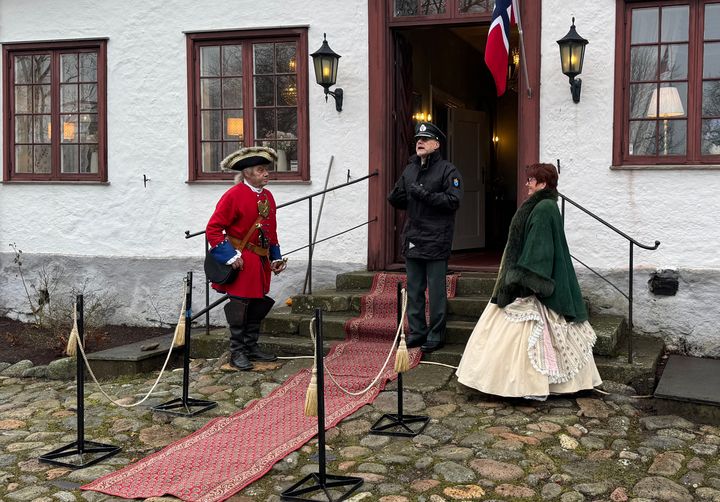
229,453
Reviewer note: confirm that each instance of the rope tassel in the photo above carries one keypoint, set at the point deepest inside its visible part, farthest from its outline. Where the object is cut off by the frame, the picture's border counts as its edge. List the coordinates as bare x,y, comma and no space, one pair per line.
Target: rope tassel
402,358
74,338
311,396
179,335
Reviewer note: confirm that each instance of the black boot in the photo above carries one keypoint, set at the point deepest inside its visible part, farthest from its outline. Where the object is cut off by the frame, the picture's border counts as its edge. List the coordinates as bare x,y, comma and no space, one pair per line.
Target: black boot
413,340
235,312
257,310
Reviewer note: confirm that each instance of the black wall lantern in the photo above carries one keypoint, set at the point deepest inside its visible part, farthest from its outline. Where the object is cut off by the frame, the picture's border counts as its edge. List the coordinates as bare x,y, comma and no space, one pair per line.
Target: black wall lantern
572,53
325,61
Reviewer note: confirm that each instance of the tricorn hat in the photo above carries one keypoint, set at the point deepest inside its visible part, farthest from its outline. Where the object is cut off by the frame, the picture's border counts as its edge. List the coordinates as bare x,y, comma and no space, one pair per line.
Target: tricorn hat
248,157
428,130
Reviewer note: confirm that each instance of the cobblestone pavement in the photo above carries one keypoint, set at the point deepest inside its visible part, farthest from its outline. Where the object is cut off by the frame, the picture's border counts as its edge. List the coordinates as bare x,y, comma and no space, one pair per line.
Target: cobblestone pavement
589,447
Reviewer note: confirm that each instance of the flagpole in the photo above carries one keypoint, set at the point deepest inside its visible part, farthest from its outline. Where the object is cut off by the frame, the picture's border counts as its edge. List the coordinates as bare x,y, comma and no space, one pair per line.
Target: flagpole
516,9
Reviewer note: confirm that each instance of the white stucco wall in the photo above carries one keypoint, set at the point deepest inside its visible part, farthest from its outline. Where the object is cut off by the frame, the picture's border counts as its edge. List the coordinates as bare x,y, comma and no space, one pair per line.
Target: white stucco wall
147,134
679,208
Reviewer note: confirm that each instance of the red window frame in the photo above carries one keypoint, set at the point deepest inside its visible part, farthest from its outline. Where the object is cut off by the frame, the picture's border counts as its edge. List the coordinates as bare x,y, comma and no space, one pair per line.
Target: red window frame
246,38
55,49
693,155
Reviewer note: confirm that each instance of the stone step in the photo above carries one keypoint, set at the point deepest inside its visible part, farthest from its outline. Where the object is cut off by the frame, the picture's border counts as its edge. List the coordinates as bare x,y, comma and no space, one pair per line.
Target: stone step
466,308
469,283
139,357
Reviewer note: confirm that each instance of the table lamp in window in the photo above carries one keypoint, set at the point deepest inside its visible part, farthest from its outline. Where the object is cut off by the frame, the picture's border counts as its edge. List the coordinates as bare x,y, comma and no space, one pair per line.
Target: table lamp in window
235,129
664,104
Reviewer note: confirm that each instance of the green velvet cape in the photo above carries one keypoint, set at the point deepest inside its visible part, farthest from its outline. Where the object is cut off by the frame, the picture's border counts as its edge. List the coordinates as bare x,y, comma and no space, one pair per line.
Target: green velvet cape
536,260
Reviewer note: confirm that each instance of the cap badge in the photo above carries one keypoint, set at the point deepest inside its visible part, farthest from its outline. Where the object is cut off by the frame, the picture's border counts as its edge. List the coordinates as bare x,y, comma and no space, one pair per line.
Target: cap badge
423,128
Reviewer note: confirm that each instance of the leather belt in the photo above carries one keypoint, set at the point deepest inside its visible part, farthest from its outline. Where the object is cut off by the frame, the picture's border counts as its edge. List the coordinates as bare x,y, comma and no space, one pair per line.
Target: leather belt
237,243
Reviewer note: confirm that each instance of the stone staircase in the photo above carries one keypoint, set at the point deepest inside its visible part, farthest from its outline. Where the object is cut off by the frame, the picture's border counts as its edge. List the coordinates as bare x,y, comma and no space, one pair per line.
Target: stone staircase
286,329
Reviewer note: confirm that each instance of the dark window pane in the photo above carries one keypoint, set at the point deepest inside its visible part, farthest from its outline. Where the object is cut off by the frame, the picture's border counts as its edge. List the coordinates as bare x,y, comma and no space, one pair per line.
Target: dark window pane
88,67
711,99
232,92
673,137
640,98
88,128
88,97
41,99
406,8
264,91
41,128
41,69
232,60
287,90
210,61
642,140
211,157
234,125
69,159
210,93
265,124
644,26
675,24
419,7
23,129
88,158
69,68
70,131
712,21
475,6
643,63
287,123
42,159
285,57
673,62
23,69
263,58
230,146
711,60
23,99
211,125
69,98
711,137
23,159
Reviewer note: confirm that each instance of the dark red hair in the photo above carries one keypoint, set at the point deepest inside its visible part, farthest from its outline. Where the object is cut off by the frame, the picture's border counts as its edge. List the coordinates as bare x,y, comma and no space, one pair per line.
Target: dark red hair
544,173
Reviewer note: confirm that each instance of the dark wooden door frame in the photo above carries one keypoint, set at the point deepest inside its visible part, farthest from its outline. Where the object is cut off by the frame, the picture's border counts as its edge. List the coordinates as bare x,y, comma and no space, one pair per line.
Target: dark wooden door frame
380,61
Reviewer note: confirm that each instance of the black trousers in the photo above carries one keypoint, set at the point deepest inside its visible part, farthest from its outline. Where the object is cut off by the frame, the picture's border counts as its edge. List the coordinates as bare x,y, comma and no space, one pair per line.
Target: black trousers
428,274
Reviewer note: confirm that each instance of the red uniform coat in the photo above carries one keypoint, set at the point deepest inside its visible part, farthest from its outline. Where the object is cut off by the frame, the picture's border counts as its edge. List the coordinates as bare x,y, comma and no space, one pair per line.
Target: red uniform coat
235,213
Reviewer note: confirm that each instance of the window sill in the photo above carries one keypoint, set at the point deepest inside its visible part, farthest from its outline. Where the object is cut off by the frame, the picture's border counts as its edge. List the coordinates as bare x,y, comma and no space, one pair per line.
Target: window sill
53,182
667,167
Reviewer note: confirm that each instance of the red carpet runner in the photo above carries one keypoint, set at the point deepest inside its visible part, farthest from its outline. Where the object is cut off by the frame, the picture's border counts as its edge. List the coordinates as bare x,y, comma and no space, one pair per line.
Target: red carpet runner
229,453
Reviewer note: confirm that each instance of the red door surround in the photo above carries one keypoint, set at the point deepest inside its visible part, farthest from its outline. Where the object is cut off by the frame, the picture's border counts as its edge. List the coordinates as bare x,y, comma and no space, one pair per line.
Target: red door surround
381,233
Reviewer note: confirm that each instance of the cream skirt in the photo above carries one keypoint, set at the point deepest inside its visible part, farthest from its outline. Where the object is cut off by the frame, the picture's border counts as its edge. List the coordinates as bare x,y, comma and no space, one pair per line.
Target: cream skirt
528,350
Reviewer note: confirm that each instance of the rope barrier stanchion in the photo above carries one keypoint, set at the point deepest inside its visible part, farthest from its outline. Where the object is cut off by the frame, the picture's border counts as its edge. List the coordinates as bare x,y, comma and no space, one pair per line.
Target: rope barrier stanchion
186,406
80,453
321,481
399,424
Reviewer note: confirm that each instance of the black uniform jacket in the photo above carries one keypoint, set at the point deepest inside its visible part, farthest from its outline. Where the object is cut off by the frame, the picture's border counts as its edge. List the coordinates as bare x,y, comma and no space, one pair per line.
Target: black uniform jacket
430,224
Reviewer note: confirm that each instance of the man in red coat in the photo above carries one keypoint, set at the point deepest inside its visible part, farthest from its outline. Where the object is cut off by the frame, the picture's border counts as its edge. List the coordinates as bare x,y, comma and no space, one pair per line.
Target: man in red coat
242,232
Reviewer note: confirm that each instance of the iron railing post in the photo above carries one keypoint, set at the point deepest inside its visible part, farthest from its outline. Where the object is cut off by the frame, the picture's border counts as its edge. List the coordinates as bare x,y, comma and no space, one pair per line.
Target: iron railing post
308,273
630,306
207,297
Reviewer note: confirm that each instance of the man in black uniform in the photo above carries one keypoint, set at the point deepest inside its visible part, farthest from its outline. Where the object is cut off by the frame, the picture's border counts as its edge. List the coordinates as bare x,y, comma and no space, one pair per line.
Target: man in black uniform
430,190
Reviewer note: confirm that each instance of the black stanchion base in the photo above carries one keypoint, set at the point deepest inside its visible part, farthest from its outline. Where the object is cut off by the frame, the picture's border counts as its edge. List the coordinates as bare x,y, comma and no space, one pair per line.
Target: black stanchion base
184,408
91,454
399,425
296,491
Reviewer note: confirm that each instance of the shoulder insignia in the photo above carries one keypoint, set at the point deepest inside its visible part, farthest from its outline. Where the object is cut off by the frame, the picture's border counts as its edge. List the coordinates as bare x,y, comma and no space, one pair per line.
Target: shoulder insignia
456,182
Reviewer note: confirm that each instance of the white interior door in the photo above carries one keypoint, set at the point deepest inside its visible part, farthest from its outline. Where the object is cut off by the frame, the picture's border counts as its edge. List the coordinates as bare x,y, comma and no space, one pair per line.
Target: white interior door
469,150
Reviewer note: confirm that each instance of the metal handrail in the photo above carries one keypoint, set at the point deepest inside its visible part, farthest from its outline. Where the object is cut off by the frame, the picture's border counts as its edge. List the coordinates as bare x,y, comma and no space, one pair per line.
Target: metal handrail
632,242
309,246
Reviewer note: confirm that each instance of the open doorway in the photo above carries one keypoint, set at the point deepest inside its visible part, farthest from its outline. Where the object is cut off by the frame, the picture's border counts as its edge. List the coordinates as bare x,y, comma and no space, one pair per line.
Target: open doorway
440,76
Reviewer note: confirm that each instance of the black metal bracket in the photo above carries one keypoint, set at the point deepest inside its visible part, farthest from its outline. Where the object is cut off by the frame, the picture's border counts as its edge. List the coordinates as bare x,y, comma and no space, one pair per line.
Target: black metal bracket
320,481
338,95
575,87
81,453
398,424
183,406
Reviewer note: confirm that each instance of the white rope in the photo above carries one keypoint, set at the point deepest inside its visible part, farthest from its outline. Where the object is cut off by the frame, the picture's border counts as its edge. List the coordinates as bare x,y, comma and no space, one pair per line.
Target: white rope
400,330
157,380
439,364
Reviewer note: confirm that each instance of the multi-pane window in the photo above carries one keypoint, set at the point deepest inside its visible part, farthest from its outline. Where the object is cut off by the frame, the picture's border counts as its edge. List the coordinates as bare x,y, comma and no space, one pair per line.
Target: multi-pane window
670,96
249,89
441,8
56,98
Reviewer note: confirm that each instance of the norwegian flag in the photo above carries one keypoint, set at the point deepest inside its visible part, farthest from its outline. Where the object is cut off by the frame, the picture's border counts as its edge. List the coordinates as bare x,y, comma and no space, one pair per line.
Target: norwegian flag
498,42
